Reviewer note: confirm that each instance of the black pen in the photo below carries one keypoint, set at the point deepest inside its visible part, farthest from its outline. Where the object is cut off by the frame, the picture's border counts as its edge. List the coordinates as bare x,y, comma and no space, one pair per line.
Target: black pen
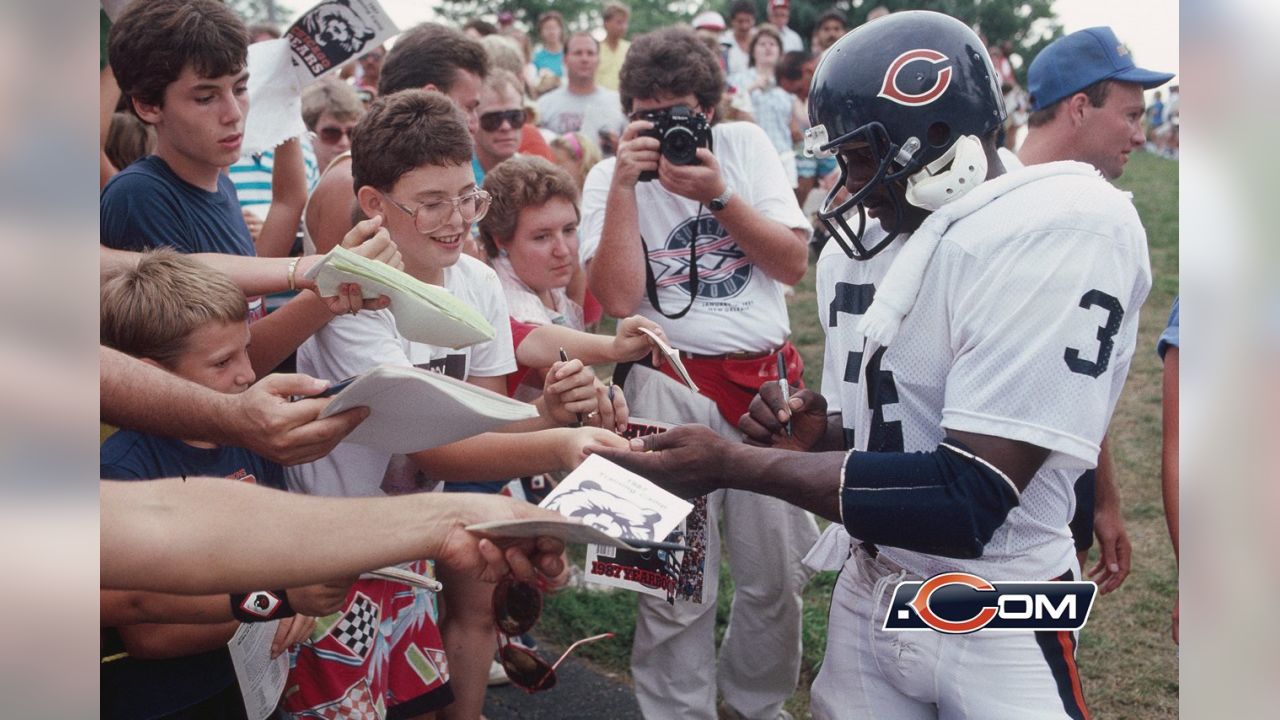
785,386
564,357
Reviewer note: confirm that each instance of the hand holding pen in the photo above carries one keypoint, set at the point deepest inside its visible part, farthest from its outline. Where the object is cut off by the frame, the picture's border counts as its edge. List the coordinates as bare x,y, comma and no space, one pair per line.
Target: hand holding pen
785,386
564,357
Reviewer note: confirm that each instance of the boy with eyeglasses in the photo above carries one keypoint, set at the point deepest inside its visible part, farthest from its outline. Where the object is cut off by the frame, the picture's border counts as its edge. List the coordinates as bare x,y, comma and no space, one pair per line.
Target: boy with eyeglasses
429,56
411,166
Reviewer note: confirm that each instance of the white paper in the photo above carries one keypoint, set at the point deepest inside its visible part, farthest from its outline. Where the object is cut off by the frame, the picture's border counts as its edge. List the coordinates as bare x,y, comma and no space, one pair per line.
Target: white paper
570,530
617,501
669,575
275,97
424,313
318,43
261,678
672,356
334,32
413,409
404,576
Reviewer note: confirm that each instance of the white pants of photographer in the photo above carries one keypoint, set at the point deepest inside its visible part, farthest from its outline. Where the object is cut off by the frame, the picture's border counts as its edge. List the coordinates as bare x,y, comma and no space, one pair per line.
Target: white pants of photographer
673,659
868,672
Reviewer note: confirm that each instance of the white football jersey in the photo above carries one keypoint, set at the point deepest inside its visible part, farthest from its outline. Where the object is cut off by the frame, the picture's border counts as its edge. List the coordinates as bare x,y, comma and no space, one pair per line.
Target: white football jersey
1024,328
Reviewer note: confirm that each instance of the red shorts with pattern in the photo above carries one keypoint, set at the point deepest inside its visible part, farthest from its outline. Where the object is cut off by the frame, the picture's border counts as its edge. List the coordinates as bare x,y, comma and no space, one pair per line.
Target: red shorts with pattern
380,658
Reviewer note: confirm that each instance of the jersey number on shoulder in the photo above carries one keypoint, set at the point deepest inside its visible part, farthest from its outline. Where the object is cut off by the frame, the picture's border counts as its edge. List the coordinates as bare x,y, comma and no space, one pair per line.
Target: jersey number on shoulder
886,436
1106,335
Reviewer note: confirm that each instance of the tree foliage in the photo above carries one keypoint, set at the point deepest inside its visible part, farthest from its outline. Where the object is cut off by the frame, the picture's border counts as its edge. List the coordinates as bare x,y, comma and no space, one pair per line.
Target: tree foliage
578,14
1028,25
253,11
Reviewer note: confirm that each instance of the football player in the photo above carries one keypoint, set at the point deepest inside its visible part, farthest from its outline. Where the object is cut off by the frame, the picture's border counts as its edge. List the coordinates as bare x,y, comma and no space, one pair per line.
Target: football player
980,324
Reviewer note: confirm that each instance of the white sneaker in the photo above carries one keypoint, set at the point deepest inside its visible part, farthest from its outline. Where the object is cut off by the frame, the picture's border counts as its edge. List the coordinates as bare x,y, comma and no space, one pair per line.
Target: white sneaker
497,675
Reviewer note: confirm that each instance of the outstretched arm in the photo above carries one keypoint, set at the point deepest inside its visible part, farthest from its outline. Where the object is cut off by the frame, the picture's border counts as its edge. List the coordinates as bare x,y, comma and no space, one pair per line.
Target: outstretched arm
142,397
964,489
207,535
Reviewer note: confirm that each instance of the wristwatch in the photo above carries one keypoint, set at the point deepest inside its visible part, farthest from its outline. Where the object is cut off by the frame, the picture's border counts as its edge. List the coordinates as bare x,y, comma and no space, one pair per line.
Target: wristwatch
718,204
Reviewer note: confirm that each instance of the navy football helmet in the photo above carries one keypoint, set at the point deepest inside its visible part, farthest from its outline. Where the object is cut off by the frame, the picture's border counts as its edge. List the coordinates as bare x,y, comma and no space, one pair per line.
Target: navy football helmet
909,86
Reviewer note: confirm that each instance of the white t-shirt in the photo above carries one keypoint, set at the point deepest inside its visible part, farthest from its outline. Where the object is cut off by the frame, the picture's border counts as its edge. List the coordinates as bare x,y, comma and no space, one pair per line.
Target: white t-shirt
738,307
353,344
1024,328
791,40
736,59
561,111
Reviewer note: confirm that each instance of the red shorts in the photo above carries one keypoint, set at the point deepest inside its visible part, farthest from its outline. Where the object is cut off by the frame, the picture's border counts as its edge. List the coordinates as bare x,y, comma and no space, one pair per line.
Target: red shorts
380,657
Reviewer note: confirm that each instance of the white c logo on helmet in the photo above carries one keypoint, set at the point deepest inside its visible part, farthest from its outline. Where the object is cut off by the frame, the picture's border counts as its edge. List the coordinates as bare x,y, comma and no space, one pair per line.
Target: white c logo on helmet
890,90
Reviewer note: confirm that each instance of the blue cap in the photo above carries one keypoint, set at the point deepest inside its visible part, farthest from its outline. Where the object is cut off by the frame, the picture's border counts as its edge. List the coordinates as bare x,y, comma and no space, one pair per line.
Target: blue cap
1076,61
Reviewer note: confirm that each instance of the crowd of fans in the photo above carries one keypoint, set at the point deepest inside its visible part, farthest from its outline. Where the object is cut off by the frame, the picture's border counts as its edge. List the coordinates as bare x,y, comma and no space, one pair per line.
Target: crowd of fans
507,167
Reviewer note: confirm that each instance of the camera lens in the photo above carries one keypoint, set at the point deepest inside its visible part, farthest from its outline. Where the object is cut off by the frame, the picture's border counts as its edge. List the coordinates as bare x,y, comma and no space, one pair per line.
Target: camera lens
680,146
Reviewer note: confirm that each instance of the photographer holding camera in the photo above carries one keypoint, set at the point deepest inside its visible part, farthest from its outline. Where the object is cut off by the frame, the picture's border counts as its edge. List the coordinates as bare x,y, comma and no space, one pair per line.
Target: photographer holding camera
694,225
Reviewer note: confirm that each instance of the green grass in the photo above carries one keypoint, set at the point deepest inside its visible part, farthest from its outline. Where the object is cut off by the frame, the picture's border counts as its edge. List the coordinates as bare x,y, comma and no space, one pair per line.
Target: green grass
1126,657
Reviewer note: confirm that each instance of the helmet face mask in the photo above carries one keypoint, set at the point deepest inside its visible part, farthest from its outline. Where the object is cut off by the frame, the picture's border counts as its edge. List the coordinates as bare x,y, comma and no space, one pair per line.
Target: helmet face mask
887,156
906,88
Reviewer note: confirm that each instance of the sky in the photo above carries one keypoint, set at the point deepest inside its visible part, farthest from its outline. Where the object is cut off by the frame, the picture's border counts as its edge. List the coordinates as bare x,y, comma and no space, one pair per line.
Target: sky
1148,27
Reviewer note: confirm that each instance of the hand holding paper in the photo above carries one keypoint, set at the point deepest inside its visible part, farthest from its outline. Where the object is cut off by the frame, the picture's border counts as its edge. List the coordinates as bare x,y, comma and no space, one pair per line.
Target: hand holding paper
368,239
424,313
413,409
672,356
636,337
605,504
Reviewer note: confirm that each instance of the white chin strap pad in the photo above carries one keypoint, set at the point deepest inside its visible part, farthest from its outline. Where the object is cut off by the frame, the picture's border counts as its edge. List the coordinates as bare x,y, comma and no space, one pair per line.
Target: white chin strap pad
960,169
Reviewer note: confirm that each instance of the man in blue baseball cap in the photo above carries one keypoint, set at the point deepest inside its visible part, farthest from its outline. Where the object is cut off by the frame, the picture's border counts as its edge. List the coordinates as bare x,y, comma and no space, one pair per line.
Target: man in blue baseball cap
1086,102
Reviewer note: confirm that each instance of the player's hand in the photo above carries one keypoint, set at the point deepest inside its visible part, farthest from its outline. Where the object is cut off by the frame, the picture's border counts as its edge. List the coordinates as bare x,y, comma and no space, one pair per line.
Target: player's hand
630,344
689,460
1116,552
636,154
764,423
569,391
253,222
263,420
489,559
611,411
319,600
576,443
290,632
701,182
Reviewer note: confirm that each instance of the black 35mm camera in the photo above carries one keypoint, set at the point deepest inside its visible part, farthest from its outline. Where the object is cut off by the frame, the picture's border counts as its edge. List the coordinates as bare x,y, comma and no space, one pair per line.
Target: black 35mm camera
681,131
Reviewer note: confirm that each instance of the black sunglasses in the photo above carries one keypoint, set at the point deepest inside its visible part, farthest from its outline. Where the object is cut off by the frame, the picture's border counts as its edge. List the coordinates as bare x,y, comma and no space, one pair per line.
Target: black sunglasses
491,121
517,605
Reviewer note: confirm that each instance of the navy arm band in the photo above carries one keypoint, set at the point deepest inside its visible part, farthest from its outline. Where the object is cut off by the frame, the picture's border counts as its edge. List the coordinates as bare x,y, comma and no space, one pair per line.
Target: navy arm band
947,502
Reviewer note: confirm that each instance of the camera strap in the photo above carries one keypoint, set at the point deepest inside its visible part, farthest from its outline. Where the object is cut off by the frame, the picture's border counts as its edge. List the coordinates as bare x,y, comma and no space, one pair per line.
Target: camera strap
651,285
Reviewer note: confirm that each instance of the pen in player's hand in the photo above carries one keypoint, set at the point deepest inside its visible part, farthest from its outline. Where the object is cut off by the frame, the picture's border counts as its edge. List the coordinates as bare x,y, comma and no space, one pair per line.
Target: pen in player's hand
564,357
785,386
